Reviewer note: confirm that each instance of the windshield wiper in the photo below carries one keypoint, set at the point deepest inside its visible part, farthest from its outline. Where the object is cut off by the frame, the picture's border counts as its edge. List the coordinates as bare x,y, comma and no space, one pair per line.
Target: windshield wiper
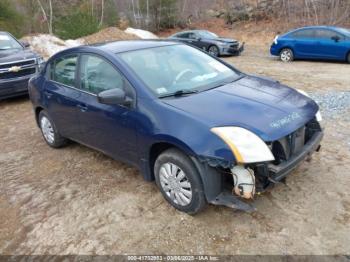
180,93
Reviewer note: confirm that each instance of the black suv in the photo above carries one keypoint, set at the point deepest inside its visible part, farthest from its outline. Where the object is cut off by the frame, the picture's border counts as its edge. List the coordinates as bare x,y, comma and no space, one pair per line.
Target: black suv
17,65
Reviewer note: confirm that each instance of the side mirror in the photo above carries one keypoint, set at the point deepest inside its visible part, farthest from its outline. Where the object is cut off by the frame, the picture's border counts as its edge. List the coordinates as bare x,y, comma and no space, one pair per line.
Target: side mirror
335,38
25,44
115,96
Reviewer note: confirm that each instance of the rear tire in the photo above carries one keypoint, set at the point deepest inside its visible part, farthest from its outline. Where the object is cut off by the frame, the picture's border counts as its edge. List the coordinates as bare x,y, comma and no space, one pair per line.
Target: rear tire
48,129
179,182
286,55
214,50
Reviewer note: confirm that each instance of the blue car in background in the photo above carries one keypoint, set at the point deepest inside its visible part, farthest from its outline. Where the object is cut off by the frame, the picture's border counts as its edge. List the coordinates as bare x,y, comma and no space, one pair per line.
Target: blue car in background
204,131
314,42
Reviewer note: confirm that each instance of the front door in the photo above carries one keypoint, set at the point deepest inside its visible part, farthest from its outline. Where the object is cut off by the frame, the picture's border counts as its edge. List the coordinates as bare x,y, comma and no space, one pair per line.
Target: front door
60,95
108,128
332,44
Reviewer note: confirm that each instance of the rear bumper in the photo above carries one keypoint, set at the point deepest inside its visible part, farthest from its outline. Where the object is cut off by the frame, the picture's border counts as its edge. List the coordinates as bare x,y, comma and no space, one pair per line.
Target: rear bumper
278,172
274,50
14,87
232,51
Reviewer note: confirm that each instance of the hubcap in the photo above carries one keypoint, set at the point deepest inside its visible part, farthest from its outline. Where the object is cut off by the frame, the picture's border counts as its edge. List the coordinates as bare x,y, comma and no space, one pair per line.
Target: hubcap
286,56
47,129
175,184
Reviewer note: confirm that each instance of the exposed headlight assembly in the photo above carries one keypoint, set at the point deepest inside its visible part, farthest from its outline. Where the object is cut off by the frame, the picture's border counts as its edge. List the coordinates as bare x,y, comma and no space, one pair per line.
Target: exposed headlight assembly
245,145
318,114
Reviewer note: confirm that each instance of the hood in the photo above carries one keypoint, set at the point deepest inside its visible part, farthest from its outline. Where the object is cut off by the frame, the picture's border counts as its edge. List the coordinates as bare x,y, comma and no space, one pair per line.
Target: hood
265,107
12,55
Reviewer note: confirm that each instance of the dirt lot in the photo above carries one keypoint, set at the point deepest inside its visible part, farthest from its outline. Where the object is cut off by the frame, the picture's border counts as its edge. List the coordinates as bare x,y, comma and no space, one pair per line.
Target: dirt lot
78,201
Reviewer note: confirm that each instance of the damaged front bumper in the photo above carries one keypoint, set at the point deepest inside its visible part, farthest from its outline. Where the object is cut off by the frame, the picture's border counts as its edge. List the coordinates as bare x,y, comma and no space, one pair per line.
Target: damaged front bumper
222,187
278,172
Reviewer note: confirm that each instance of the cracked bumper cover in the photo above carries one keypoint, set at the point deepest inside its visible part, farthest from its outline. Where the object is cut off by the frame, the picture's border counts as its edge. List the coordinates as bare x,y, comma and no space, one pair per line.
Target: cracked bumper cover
278,172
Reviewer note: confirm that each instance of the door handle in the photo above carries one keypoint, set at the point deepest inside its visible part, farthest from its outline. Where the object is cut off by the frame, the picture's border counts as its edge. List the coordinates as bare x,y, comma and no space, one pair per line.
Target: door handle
48,94
82,107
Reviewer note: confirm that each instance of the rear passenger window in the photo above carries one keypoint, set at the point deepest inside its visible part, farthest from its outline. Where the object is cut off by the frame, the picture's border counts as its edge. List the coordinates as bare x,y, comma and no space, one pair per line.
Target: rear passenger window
63,70
98,75
184,35
304,34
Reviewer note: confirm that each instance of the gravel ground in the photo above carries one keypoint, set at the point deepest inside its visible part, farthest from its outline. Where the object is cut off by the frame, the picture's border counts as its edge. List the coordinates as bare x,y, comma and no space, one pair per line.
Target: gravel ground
78,201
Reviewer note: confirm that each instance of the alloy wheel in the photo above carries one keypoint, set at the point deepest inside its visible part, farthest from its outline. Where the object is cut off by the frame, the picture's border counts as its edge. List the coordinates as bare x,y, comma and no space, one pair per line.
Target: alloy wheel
286,55
213,50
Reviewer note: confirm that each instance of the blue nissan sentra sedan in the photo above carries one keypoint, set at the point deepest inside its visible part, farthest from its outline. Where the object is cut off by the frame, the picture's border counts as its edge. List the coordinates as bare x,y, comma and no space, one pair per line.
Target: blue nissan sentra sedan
204,131
315,42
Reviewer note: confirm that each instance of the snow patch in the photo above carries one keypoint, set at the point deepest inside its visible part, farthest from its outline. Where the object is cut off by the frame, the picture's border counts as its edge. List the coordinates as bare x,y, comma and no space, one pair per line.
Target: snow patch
48,45
143,34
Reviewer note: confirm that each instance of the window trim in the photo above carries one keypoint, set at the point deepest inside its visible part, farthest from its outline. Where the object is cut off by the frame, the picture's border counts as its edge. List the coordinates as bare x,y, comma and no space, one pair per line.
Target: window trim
335,33
48,75
115,68
77,78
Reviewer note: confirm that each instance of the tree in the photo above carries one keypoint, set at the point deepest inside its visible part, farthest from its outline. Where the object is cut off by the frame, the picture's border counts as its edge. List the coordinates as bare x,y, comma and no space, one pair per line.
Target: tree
10,19
77,21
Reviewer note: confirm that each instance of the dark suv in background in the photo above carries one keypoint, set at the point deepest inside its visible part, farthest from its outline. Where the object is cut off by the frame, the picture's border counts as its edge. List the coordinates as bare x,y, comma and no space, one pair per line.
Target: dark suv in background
17,65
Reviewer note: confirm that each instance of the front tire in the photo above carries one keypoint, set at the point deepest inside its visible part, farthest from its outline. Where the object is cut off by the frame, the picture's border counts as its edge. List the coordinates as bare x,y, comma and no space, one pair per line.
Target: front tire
287,55
214,51
348,58
179,181
49,131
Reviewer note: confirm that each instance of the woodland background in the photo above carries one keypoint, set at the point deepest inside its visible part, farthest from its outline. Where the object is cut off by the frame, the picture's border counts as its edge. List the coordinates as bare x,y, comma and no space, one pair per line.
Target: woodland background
70,19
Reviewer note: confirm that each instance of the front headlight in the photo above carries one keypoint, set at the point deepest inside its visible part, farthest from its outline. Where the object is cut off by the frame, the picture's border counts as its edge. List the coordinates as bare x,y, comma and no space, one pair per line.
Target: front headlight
223,44
245,145
318,114
40,60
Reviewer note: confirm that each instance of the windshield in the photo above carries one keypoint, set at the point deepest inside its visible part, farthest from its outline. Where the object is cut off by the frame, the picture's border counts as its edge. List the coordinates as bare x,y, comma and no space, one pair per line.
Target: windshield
8,42
207,34
177,68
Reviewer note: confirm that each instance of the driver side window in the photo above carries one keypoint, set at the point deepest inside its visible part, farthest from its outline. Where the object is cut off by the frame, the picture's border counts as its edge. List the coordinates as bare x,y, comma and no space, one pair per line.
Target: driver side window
97,75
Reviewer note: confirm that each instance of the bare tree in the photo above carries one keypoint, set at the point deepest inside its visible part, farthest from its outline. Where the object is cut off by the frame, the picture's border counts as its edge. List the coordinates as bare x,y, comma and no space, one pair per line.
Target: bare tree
47,19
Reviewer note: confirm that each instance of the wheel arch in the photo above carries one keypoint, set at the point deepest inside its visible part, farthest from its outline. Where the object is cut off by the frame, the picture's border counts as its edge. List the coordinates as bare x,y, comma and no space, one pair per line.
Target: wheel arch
347,56
37,111
210,177
286,47
159,147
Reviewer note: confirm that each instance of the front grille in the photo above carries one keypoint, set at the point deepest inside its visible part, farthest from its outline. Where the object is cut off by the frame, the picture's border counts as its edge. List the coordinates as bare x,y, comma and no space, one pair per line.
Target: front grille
234,45
292,144
24,67
25,63
21,73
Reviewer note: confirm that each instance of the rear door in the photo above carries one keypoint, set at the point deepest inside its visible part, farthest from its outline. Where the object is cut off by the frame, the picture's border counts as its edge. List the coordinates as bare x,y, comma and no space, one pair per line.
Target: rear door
108,128
305,43
188,38
60,95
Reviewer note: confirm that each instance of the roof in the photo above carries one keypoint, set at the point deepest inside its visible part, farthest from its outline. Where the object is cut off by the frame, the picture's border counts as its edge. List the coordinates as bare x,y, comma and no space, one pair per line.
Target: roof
132,45
319,27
